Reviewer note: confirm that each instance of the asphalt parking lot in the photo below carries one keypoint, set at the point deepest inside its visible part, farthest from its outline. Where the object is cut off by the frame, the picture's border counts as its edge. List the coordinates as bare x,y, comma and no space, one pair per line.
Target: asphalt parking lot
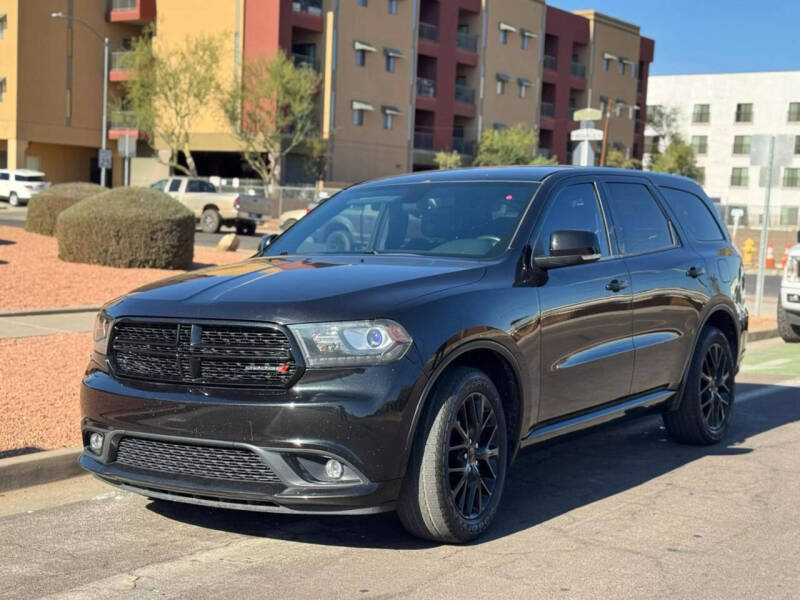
620,512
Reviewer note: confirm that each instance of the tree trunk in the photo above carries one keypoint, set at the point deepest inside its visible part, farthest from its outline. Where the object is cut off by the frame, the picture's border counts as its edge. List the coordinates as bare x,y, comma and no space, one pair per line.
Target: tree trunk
190,162
274,179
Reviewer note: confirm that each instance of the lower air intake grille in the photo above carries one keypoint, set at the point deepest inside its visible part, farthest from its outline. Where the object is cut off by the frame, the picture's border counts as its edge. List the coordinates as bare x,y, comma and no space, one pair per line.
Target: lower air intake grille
244,356
209,462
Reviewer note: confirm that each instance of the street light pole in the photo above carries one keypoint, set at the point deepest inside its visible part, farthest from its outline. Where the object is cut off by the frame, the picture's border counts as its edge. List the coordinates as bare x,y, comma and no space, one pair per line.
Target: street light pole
104,125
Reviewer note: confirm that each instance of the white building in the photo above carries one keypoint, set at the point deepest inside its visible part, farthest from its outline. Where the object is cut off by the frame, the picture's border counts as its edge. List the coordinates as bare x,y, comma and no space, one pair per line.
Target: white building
719,114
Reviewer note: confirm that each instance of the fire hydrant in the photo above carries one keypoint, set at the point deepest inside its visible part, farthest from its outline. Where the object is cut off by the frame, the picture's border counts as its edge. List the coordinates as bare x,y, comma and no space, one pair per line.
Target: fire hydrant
748,252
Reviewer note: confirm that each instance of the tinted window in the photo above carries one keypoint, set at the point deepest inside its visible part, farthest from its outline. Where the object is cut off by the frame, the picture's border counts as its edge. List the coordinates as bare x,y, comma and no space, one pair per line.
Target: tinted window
439,219
28,178
159,185
693,215
638,222
198,185
575,207
4,176
174,185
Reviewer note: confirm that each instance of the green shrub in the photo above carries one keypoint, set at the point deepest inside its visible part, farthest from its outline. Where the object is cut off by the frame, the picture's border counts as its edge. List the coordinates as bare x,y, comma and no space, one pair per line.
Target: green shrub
44,208
127,227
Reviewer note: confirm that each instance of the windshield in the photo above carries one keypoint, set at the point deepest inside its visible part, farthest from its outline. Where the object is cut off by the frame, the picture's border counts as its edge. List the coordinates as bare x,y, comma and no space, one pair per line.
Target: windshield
475,219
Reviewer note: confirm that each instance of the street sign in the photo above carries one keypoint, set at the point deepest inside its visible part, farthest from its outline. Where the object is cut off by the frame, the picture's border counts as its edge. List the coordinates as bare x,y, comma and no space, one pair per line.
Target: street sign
782,154
586,135
737,213
104,158
126,146
587,114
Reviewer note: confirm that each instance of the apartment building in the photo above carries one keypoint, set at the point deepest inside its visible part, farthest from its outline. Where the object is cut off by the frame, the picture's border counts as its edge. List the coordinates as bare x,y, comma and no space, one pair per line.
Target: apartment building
718,114
401,79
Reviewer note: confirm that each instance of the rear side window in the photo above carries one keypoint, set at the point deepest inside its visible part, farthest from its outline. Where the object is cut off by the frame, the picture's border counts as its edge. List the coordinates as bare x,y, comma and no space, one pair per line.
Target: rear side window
3,176
693,214
575,207
638,222
174,185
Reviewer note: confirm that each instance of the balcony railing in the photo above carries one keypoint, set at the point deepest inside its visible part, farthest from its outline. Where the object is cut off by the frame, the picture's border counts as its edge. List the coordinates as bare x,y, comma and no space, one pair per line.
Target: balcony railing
426,87
123,4
548,110
571,112
465,94
467,41
304,60
550,62
463,146
423,140
122,119
312,7
578,70
121,60
429,31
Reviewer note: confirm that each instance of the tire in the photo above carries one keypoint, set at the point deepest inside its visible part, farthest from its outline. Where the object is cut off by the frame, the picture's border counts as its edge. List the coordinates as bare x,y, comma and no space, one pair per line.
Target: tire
250,228
338,240
706,406
210,221
13,199
788,332
437,501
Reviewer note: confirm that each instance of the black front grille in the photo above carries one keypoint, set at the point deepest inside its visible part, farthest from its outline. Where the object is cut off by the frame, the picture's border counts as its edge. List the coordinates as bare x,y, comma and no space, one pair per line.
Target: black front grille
203,354
209,462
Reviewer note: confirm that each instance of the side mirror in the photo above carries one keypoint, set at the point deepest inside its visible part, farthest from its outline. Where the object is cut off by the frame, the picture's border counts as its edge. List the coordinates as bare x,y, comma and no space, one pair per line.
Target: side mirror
265,243
570,247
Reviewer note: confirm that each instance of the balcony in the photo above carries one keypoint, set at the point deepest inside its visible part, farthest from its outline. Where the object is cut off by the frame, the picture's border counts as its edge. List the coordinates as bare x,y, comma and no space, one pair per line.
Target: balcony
304,60
547,109
428,32
120,66
465,94
463,145
137,12
550,62
426,87
577,70
423,140
122,122
312,7
467,41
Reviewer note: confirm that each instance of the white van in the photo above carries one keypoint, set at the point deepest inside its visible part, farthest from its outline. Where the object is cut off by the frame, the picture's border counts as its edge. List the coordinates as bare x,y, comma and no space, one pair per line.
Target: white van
19,185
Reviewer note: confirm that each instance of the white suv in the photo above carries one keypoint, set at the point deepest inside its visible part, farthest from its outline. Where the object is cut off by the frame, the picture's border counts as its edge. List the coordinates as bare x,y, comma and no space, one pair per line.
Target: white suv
789,297
19,185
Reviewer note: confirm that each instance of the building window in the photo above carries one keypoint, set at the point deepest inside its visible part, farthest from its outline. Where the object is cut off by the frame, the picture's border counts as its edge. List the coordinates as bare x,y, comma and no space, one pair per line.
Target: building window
362,2
606,64
621,68
501,87
701,113
634,71
2,87
791,177
603,102
523,90
744,113
390,63
387,120
3,24
361,58
503,36
392,7
358,117
499,126
797,144
741,144
789,215
700,144
701,175
794,111
739,176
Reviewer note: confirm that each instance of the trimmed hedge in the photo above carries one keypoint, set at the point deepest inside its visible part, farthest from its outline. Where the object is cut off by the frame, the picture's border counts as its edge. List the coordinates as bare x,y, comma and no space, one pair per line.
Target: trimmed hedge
127,227
44,208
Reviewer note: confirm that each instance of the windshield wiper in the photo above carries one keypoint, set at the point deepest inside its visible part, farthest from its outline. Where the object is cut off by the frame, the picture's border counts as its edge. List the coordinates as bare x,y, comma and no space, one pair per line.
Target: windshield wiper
369,252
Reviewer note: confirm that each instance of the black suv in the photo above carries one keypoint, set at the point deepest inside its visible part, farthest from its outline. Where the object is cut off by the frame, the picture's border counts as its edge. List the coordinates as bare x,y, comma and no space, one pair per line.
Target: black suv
397,347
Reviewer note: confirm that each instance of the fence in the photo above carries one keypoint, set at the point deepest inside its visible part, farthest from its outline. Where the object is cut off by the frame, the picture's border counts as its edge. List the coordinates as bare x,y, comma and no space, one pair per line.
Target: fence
282,199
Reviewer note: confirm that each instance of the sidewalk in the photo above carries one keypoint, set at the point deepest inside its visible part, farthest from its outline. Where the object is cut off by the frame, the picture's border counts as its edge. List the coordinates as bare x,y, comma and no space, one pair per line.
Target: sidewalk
20,326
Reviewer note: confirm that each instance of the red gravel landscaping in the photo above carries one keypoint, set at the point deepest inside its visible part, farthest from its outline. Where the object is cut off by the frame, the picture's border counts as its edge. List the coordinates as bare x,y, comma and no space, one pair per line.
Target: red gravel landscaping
32,276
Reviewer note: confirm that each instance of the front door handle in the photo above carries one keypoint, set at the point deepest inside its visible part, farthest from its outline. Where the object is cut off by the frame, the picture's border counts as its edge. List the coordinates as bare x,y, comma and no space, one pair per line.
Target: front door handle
694,272
615,285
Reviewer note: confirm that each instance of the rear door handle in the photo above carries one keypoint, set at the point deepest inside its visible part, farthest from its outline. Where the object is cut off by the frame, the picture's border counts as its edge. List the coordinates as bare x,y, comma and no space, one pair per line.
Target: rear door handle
615,285
694,272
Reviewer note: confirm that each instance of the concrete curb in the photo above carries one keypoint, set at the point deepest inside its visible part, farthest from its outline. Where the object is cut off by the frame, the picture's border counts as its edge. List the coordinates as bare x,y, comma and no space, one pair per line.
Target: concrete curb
40,467
49,311
764,334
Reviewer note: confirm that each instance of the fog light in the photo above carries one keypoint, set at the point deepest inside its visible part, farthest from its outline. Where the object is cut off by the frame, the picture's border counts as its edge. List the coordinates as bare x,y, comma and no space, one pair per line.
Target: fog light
333,469
96,443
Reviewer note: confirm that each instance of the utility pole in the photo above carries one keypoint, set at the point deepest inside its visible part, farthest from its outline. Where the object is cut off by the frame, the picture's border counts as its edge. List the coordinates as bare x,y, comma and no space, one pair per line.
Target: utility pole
605,135
762,250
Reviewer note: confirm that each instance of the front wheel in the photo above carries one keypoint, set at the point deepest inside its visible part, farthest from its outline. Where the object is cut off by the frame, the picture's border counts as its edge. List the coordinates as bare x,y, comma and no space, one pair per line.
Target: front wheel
13,199
704,414
457,468
790,333
210,221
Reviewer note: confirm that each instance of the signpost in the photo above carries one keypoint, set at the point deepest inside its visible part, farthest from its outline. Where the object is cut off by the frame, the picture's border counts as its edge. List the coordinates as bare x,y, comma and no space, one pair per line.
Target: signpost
583,155
768,151
126,148
104,158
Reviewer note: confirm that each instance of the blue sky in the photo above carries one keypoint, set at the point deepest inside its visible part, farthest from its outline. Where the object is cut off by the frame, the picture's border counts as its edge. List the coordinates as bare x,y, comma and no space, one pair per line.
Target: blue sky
711,36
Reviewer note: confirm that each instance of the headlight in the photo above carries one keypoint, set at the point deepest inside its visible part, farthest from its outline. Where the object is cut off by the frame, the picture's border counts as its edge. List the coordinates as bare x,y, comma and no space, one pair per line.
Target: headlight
792,272
351,343
102,329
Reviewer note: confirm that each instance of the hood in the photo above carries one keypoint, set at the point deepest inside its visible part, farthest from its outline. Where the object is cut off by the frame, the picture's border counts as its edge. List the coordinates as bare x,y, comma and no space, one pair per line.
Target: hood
294,289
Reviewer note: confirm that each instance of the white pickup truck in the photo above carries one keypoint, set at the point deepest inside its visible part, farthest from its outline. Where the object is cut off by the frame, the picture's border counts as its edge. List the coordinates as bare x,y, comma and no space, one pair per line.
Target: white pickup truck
213,208
789,297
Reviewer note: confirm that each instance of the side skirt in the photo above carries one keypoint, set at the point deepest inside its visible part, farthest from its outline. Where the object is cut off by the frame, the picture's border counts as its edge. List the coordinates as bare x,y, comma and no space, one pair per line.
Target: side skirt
621,410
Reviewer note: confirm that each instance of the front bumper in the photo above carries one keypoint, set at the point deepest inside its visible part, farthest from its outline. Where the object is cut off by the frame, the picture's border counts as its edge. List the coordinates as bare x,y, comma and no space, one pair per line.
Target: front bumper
358,417
790,295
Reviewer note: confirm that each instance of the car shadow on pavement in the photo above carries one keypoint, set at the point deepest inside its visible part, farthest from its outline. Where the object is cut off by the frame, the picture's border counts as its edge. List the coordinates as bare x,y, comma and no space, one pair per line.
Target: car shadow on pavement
545,481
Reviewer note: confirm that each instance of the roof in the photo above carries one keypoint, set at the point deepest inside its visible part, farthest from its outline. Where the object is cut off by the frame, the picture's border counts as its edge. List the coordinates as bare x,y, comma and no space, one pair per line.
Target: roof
29,172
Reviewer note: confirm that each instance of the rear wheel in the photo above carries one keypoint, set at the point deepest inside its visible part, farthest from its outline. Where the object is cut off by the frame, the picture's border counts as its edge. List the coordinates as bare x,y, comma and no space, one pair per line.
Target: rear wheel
210,221
457,468
13,199
706,407
790,333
